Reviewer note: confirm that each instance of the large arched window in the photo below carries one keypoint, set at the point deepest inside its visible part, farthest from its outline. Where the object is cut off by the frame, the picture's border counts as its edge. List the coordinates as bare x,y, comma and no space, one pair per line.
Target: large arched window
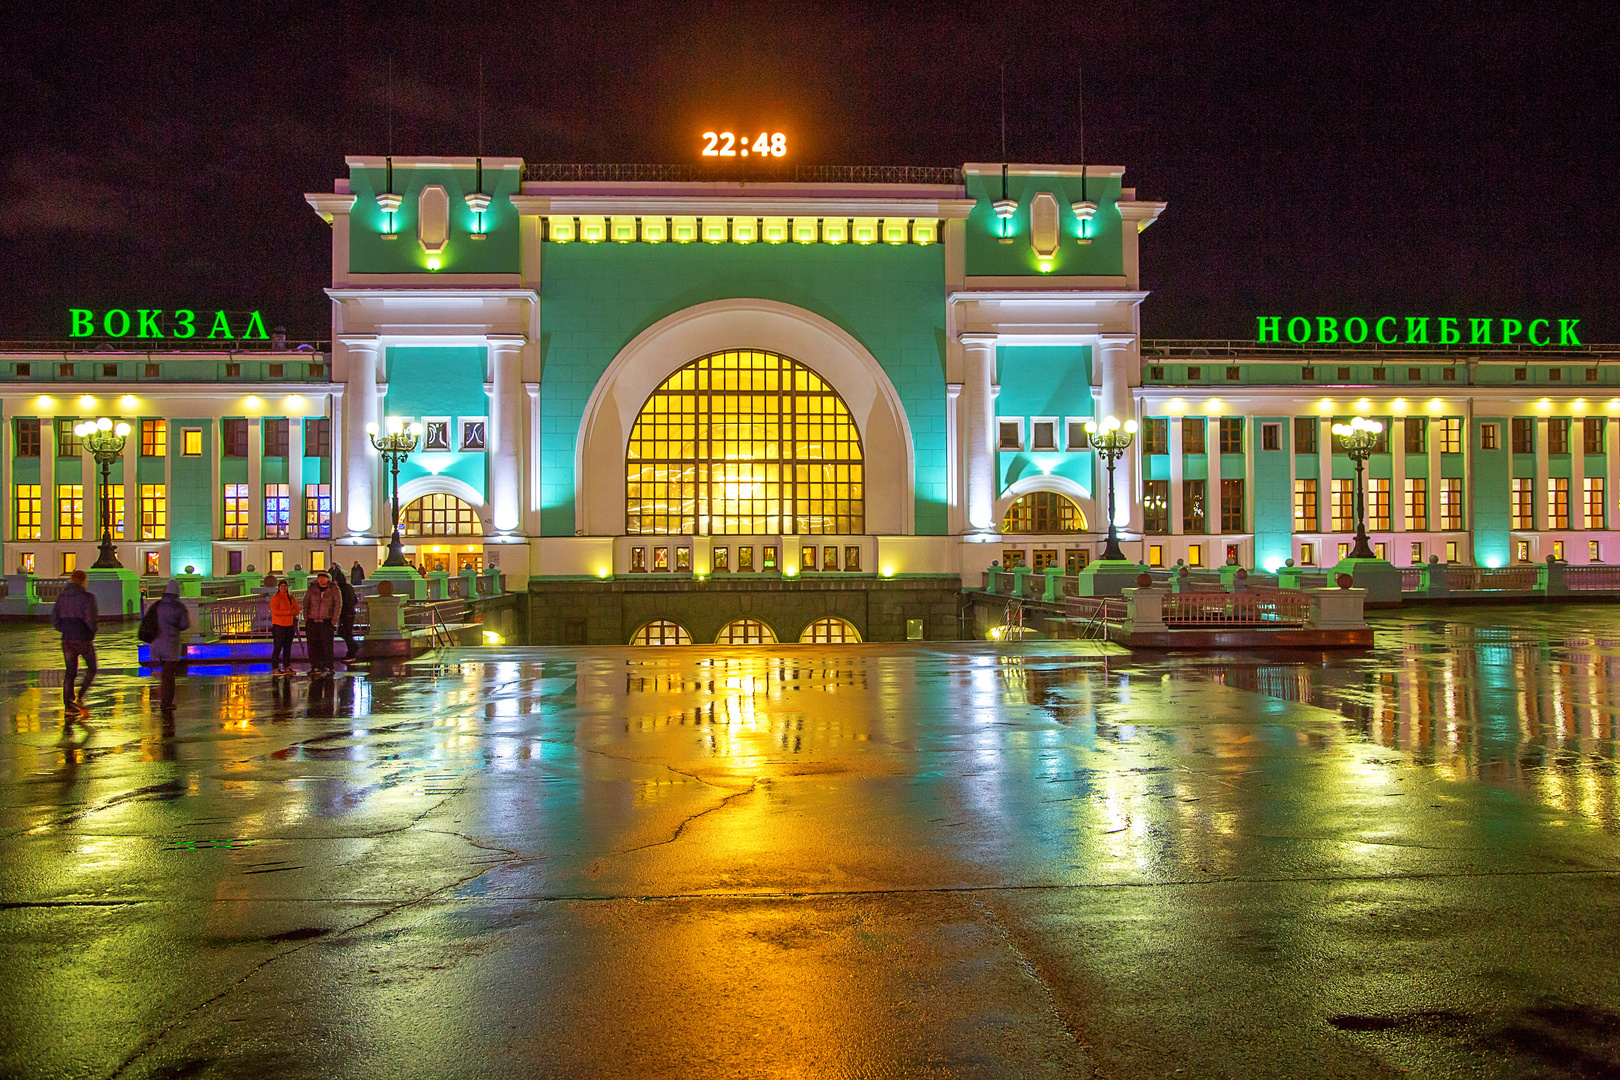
439,515
746,632
1043,512
744,443
662,632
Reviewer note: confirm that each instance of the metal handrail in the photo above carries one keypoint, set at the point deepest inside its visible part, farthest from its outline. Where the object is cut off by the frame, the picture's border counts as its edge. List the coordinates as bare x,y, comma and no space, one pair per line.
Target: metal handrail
1224,348
78,347
738,173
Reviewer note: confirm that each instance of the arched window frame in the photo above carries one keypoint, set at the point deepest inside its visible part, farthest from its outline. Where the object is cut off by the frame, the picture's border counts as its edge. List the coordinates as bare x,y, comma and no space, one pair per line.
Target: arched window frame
1027,513
457,517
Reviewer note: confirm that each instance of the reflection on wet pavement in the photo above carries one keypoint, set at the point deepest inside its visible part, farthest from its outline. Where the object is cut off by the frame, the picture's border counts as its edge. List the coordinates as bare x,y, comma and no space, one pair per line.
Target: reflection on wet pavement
952,860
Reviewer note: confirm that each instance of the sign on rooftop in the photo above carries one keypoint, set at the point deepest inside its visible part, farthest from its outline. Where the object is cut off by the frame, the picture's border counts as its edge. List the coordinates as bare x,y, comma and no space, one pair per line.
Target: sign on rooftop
151,324
1415,330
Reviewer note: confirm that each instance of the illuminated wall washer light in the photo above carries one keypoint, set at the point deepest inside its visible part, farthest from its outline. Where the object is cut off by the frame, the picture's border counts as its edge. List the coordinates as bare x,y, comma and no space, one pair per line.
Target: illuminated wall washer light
127,401
478,203
45,401
252,402
1083,213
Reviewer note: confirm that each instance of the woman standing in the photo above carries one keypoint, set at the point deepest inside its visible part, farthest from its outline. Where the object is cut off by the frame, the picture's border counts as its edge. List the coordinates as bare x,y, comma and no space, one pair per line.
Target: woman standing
283,626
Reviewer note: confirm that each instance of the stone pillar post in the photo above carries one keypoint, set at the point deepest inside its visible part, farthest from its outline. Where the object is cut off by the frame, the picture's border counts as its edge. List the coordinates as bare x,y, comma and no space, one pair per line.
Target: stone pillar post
361,407
505,432
978,414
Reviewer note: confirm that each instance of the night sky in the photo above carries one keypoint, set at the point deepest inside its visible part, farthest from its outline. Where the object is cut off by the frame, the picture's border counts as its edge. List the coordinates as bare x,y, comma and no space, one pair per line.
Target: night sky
1339,159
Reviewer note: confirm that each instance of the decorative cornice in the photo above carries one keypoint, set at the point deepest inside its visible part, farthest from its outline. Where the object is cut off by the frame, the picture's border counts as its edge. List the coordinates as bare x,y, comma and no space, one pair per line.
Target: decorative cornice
743,204
979,168
1143,213
330,203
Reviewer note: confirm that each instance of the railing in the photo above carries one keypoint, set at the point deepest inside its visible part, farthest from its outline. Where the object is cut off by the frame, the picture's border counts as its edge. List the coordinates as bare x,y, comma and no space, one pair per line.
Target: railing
428,613
247,616
1202,349
1488,579
73,347
1411,578
47,589
1261,607
1592,578
733,173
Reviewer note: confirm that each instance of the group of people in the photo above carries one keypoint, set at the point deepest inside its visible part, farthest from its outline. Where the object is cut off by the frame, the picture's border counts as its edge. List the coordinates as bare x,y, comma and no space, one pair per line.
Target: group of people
328,609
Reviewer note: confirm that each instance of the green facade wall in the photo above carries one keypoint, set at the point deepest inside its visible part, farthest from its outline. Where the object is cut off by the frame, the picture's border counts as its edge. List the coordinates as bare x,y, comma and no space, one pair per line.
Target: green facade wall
1490,496
1273,496
496,253
1052,381
440,381
986,254
191,519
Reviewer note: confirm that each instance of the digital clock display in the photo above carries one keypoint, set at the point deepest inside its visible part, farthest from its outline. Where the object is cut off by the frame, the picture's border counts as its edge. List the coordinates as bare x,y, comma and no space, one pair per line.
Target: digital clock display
727,144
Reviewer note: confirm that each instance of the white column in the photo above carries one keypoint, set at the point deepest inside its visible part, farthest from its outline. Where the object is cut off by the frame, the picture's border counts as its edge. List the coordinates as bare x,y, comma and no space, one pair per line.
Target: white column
1177,476
531,508
361,408
955,508
1115,399
1577,476
1324,489
1538,498
130,555
505,436
979,367
255,482
1397,482
295,479
1215,554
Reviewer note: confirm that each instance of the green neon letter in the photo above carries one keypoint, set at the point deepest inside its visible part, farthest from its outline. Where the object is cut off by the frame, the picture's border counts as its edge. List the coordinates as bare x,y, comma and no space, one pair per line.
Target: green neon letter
1273,324
187,322
1350,330
221,327
122,320
83,322
1450,334
149,323
1327,329
1544,339
1479,331
1304,335
1509,328
252,322
1566,332
1417,331
1379,330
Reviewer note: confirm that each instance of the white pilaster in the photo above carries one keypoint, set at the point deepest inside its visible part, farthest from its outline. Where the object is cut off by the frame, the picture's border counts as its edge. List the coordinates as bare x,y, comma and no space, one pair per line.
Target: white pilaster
505,436
1577,475
255,480
1538,497
295,478
361,408
1178,474
955,516
1119,373
979,367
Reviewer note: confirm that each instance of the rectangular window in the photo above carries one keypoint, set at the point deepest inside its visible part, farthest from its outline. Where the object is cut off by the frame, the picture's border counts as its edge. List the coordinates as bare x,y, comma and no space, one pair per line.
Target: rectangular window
1305,511
24,370
236,511
1523,504
638,560
719,560
1155,436
28,437
154,512
1521,374
67,443
276,437
1195,555
1232,435
70,559
317,560
1344,374
1155,555
233,438
1307,554
1555,374
1594,550
1156,507
1558,545
1591,374
1524,438
318,511
1380,374
1417,504
70,511
1417,435
1522,550
1448,374
116,508
1558,502
1489,436
151,371
318,437
1558,435
852,558
277,511
277,370
767,558
1305,432
1307,373
1192,435
1156,374
807,558
745,558
1011,557
1592,435
1043,435
27,515
1044,557
1344,505
1271,436
1451,435
1233,374
278,562
1451,551
1414,374
1417,553
683,559
154,563
1078,439
1593,502
1232,517
154,438
317,371
1194,374
1377,505
64,371
1010,435
1192,506
191,442
660,560
1451,508
1075,560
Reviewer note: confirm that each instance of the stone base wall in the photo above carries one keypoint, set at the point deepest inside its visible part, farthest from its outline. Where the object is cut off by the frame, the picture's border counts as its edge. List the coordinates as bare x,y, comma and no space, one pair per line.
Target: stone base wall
590,611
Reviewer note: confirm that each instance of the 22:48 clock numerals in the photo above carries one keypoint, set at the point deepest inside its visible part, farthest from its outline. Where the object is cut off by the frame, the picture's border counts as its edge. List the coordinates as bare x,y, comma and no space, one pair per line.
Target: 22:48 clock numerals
724,144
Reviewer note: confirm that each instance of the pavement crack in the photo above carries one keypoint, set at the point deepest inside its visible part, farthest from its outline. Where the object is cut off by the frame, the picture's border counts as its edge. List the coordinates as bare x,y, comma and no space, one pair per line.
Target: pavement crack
681,828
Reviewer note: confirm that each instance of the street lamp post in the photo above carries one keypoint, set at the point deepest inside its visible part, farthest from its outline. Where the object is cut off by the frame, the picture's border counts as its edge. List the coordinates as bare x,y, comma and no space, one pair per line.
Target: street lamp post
1358,438
1111,439
395,447
106,441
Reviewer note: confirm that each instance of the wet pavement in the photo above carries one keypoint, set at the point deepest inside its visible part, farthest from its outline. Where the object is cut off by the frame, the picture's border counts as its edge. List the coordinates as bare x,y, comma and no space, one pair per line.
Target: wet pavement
1047,860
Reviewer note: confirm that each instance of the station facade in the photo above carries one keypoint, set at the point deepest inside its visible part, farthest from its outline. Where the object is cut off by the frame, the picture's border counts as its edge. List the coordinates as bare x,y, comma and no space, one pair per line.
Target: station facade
813,407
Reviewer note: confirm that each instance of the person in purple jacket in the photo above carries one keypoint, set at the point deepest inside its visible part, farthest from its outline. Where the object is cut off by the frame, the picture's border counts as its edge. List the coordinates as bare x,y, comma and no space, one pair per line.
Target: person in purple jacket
74,616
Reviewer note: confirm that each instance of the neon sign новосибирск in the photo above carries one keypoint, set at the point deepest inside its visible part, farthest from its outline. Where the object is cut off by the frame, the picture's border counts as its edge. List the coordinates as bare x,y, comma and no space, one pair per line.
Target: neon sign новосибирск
150,323
1412,330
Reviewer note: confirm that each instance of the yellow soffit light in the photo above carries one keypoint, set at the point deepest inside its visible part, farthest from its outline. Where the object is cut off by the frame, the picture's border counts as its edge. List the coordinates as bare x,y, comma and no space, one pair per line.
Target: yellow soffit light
87,401
1399,404
127,401
1325,405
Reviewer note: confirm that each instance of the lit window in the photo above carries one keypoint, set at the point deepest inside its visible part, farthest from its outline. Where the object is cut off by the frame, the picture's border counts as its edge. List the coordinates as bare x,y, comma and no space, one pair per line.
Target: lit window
67,443
1043,512
744,443
317,511
1417,504
1451,510
28,517
1043,435
830,631
191,442
1523,503
746,632
439,515
1377,504
1595,515
1307,554
154,512
1344,505
236,511
662,632
277,510
155,438
154,563
70,511
1305,508
1558,503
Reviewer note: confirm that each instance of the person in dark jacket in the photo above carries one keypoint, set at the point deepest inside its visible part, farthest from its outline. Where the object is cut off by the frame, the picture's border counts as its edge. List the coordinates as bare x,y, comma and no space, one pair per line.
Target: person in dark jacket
74,616
173,620
346,615
323,603
356,573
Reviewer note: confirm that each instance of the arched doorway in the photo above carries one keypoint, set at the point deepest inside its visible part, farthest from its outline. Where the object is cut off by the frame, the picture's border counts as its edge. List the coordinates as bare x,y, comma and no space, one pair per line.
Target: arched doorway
442,532
744,443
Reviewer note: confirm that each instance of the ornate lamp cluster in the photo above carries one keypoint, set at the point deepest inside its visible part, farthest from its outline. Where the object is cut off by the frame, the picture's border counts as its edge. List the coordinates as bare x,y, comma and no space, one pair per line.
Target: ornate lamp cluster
105,440
395,446
1358,438
1111,439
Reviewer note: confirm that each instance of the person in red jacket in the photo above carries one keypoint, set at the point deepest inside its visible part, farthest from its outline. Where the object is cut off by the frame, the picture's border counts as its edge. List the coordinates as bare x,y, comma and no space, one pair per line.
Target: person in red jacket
283,625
